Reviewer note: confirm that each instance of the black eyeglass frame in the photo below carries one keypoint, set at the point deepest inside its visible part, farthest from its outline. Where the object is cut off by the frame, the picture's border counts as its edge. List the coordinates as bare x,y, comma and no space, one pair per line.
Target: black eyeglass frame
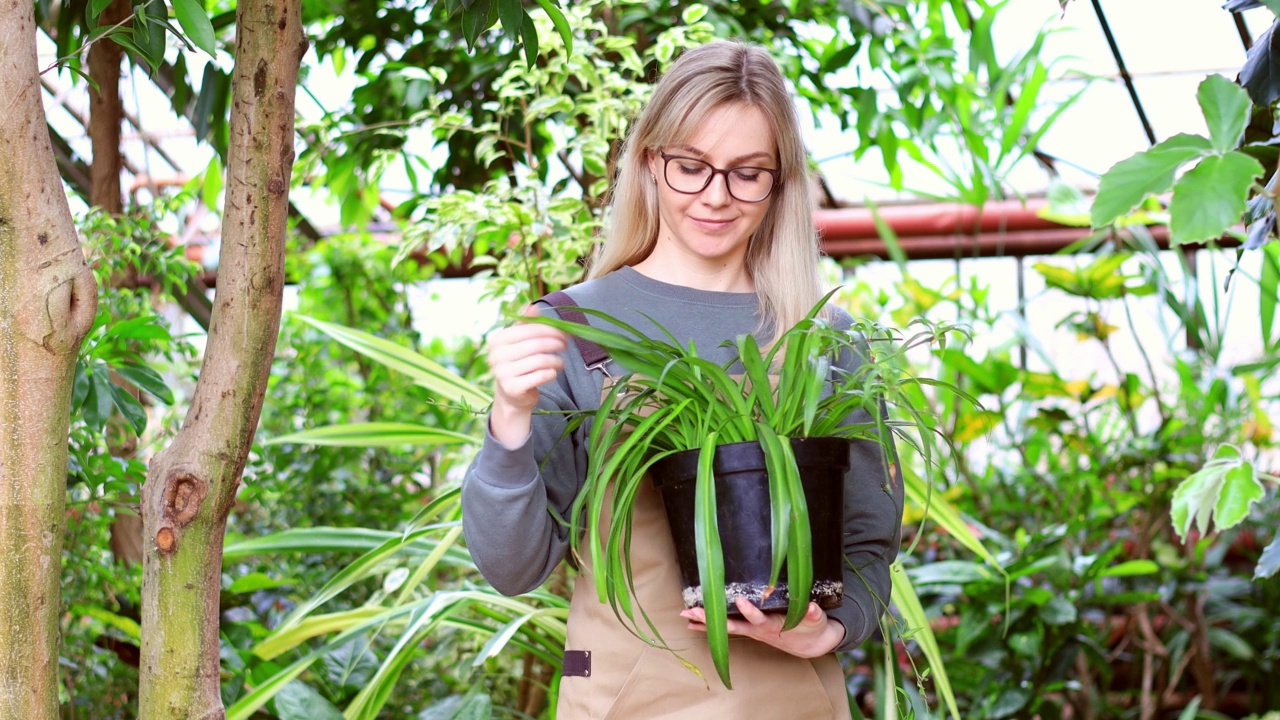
666,164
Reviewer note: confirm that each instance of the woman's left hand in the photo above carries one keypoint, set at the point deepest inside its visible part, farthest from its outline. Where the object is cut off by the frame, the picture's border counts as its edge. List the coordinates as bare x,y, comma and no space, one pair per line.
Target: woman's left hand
816,634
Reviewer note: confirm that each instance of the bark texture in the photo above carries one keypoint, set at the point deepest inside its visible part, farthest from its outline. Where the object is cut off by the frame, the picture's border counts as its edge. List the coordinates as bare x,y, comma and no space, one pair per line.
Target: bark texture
48,299
192,484
106,112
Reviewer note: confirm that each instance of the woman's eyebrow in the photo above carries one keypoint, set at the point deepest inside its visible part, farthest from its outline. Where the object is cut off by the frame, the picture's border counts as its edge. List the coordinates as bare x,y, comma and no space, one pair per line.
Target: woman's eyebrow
735,161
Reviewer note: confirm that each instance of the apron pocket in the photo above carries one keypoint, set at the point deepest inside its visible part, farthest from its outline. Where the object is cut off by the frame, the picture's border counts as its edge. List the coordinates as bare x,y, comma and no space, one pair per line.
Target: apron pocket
768,683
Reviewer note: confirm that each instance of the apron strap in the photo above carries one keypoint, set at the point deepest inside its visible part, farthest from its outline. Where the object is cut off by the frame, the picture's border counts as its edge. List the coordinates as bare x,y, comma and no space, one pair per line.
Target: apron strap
593,356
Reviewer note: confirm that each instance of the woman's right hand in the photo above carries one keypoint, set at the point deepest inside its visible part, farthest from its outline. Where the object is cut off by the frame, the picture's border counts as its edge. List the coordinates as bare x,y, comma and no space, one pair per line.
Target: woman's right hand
522,357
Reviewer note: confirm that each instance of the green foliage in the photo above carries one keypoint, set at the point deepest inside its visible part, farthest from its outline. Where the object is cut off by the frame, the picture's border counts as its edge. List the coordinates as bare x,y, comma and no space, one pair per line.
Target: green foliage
1207,199
131,370
1223,491
195,24
672,400
355,635
551,129
1068,476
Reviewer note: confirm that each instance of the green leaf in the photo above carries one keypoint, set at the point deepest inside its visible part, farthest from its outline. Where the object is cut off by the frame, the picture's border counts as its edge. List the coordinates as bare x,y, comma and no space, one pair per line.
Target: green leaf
363,567
257,581
317,540
80,386
1025,104
141,37
96,8
1233,644
127,43
157,19
552,9
799,544
376,434
475,706
945,514
1269,289
130,408
956,572
1150,172
475,20
351,665
1269,562
779,498
147,380
1240,490
711,560
212,184
126,625
98,403
1211,197
500,639
511,14
907,601
144,327
1222,491
529,35
299,701
693,13
1226,108
425,372
195,23
1130,568
1058,611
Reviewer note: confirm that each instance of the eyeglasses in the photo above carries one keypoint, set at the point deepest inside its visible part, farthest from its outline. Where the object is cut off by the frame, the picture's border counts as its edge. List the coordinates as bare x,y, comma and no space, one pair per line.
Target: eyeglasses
690,176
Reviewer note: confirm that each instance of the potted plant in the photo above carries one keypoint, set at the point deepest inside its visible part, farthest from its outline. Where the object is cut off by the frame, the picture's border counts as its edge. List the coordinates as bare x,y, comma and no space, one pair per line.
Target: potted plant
725,446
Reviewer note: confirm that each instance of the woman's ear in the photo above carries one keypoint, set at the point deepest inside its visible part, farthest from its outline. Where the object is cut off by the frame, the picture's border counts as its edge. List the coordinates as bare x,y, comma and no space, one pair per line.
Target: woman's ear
655,165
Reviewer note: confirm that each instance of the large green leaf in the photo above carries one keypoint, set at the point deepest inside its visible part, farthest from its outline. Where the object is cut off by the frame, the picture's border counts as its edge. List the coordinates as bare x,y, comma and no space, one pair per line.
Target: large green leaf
376,434
323,540
1240,490
195,23
300,701
366,565
425,372
918,629
147,380
250,702
710,554
552,8
1269,290
1226,109
1221,492
1211,197
1150,172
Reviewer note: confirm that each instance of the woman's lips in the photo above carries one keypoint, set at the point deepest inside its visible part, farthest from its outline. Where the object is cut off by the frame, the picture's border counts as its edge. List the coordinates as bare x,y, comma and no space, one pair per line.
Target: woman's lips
712,225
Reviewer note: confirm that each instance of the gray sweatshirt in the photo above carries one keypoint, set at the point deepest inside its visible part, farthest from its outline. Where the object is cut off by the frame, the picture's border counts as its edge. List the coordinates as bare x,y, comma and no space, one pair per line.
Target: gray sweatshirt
508,495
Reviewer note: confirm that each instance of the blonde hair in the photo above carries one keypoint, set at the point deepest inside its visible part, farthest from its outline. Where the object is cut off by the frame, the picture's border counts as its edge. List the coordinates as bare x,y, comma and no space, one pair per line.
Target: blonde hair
782,254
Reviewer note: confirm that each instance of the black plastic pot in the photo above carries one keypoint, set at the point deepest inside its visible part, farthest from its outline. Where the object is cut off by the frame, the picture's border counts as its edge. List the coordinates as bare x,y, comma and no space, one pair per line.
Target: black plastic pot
743,512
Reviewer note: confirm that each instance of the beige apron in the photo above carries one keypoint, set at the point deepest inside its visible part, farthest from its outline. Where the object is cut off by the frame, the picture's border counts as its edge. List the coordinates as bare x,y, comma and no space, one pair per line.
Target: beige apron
629,679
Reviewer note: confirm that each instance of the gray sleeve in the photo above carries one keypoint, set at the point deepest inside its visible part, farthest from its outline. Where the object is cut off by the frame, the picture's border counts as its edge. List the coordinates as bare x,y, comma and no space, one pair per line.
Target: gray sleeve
872,531
513,500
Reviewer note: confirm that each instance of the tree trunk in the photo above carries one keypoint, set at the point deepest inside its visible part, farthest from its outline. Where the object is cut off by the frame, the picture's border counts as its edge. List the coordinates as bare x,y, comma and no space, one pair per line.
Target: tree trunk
48,299
192,484
105,114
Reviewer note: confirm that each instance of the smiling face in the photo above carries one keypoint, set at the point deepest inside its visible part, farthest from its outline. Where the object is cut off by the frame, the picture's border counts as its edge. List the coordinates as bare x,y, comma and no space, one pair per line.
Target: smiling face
704,235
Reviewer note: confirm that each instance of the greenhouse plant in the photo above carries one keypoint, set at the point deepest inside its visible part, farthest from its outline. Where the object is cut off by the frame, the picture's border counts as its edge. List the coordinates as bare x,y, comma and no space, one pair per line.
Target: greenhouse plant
748,456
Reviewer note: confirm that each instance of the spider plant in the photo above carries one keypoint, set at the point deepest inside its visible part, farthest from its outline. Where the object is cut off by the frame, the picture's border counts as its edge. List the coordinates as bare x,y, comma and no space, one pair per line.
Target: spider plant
671,400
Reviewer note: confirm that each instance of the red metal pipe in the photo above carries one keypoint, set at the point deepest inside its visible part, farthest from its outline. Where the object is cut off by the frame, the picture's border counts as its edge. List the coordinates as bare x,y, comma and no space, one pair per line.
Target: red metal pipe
934,219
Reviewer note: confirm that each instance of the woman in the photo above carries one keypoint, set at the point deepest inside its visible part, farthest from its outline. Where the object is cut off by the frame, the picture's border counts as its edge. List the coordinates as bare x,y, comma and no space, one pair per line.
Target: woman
712,236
